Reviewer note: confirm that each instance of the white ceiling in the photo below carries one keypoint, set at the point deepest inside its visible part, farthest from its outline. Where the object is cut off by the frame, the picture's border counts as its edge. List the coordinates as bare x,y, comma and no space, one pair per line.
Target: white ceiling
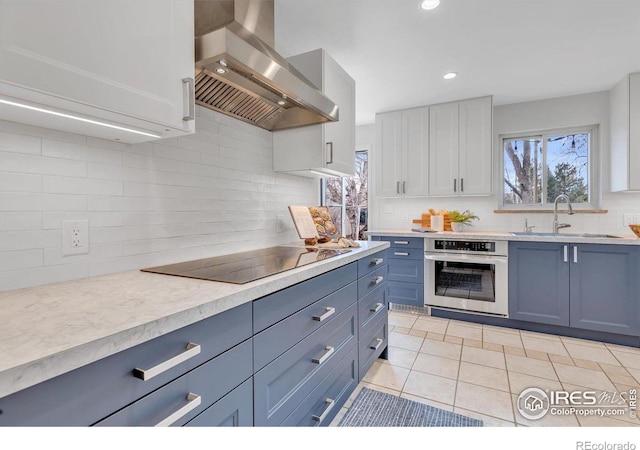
515,50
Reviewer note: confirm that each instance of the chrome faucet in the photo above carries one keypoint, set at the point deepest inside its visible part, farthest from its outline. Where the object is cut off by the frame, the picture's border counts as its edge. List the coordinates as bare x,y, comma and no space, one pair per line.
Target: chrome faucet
556,225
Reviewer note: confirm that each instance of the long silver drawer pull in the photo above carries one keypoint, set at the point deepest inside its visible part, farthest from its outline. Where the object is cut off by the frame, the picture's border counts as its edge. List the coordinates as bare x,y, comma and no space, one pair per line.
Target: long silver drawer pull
377,280
323,358
189,101
401,253
330,312
378,344
377,261
194,401
401,242
575,253
566,257
330,404
146,374
377,308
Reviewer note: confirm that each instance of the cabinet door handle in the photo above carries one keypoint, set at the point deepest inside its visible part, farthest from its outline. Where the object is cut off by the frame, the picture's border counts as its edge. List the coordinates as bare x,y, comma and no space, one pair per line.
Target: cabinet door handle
330,312
377,308
188,99
146,374
330,404
397,187
377,345
376,261
566,254
404,187
461,184
194,401
455,181
329,152
401,242
323,358
377,280
575,254
401,253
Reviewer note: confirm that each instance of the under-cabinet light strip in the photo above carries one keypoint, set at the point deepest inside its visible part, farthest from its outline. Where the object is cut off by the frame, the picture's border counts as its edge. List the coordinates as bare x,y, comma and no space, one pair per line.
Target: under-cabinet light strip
81,119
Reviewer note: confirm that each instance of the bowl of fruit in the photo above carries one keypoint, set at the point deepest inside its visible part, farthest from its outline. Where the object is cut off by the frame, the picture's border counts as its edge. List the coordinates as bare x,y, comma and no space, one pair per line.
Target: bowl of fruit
636,229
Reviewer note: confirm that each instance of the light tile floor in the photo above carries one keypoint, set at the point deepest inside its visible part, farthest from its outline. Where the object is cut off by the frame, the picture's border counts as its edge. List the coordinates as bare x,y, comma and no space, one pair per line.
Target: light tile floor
479,370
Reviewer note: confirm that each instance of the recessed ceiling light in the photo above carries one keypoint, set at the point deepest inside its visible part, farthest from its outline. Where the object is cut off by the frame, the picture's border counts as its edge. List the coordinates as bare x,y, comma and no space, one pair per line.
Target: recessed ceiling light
282,103
428,5
223,63
221,70
449,75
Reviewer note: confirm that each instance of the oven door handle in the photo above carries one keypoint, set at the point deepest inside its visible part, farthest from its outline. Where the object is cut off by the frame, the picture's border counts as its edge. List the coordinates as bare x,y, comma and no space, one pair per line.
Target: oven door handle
465,258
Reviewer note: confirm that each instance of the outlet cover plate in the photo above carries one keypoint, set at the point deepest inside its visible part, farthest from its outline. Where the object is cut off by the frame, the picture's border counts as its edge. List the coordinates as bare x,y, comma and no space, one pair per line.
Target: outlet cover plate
75,237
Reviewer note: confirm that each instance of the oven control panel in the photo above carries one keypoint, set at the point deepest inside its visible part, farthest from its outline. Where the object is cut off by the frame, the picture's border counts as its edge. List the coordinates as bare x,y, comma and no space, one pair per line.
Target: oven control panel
466,246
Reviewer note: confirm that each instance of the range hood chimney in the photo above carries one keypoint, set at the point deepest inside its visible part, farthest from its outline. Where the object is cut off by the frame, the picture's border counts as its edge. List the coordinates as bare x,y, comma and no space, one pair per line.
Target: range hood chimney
238,72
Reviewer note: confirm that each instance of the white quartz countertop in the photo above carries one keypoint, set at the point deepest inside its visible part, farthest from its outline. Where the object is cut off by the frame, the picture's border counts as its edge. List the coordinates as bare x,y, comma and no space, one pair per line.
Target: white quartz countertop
51,329
621,239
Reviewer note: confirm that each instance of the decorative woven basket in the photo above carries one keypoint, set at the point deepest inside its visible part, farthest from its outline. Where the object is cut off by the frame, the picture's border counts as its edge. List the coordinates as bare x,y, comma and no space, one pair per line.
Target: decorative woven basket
425,221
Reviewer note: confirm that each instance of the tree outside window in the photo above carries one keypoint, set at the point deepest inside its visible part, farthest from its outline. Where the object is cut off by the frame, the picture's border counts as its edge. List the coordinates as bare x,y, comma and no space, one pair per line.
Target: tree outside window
539,168
347,199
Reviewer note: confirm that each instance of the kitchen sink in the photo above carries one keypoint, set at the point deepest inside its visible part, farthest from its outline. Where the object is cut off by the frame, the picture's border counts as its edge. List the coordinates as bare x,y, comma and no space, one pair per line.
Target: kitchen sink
572,235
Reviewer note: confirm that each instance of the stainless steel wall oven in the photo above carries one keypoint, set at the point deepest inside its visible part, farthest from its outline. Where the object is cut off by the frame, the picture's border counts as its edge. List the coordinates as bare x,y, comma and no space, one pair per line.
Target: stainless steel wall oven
468,275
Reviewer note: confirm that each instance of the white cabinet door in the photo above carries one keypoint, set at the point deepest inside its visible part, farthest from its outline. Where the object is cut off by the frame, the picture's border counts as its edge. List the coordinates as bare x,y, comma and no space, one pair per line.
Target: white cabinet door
474,155
329,146
415,152
122,61
388,154
443,149
634,131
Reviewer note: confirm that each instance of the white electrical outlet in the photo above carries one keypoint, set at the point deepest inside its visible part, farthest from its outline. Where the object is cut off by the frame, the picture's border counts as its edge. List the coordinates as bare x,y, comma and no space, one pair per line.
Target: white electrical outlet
75,237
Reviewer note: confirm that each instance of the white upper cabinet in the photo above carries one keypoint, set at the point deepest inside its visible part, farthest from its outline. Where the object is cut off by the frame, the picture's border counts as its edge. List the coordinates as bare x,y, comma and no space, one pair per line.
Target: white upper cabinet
460,161
126,63
625,134
326,148
402,148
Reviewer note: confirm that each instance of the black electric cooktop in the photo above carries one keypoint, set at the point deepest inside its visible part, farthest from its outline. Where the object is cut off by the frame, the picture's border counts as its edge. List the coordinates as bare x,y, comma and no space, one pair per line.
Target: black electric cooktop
240,268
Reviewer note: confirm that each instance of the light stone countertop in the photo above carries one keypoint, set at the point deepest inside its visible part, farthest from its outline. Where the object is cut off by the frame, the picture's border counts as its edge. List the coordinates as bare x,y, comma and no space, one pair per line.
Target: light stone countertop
623,239
52,329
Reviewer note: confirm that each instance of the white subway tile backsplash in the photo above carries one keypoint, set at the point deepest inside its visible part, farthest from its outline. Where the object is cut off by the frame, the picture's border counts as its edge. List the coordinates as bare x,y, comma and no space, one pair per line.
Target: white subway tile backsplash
19,143
20,182
16,221
147,204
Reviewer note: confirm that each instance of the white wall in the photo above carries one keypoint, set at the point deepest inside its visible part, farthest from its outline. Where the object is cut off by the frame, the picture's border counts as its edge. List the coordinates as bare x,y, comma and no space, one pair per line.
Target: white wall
586,109
173,200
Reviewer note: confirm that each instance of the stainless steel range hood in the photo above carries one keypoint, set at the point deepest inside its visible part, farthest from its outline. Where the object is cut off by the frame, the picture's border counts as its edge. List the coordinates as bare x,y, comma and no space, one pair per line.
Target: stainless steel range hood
238,72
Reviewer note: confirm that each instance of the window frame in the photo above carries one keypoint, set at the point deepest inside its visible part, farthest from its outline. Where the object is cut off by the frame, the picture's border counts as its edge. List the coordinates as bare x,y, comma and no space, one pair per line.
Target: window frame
594,164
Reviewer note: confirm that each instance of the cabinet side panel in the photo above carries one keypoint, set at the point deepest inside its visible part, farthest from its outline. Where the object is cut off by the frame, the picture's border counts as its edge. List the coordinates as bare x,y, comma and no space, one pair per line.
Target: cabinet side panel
634,132
619,135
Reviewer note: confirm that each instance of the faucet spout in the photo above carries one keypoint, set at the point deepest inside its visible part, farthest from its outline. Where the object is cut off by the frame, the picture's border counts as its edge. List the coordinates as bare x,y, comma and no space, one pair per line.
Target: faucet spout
556,225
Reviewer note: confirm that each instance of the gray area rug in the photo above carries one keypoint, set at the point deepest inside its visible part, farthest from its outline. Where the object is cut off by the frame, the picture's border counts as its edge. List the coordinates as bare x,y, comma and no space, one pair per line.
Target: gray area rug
373,408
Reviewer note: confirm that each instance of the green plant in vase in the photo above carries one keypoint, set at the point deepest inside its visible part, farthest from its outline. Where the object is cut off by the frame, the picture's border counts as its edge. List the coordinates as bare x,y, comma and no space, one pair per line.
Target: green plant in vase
461,219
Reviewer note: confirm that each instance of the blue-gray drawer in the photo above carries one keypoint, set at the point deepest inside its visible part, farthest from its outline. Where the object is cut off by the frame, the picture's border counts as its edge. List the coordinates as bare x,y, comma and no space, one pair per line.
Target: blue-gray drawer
76,399
233,410
411,294
283,384
275,307
372,280
322,405
403,242
372,343
405,253
373,304
186,397
409,271
371,263
275,340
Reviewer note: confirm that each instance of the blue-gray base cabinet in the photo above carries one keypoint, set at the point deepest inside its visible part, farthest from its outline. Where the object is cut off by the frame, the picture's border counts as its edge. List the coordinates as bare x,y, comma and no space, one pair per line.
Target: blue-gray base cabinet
373,306
406,269
291,358
586,286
